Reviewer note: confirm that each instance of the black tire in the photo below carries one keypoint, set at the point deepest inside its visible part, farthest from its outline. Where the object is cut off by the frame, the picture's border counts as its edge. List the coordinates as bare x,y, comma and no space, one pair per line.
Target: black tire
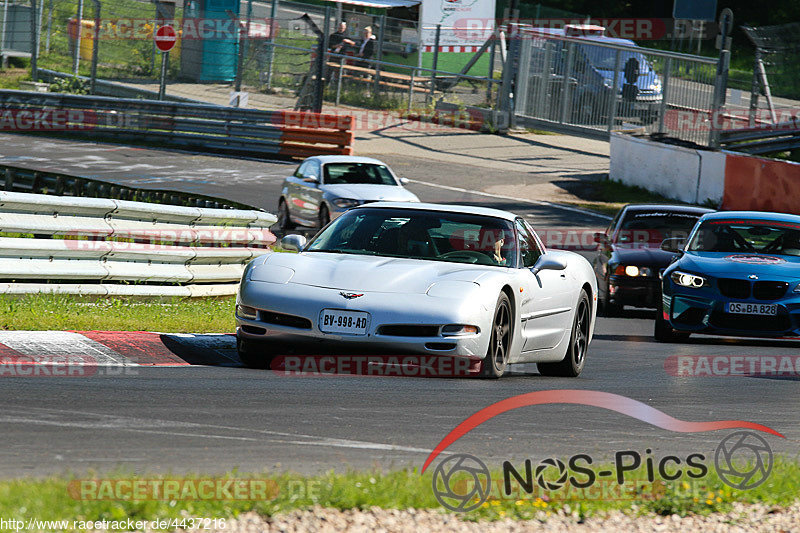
284,221
575,359
253,354
495,363
664,332
324,216
611,309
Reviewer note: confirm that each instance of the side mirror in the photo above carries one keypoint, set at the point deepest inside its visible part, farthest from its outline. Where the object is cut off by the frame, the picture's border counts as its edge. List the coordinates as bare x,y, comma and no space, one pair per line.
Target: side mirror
548,262
674,245
600,238
404,181
311,178
293,242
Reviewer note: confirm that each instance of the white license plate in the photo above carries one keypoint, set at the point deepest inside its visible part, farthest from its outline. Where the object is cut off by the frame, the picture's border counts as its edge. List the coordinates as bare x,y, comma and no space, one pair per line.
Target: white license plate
742,308
340,321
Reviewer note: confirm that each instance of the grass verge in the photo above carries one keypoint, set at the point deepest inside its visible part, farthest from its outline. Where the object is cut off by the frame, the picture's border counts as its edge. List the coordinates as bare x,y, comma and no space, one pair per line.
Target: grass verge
64,312
94,497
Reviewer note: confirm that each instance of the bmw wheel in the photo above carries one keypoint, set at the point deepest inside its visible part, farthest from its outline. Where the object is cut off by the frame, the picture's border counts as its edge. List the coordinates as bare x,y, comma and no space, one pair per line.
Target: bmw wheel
496,361
664,332
575,358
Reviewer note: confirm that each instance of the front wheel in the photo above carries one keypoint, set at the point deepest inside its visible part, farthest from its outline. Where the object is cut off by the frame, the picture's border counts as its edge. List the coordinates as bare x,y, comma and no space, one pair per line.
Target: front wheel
496,361
284,220
575,358
324,216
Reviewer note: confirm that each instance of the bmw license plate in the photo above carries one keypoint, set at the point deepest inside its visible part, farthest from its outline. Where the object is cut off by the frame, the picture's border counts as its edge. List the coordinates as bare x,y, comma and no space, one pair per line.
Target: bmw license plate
742,308
340,321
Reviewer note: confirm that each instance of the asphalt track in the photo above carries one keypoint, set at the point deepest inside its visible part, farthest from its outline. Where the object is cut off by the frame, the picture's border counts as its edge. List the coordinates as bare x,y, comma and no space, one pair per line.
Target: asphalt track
209,414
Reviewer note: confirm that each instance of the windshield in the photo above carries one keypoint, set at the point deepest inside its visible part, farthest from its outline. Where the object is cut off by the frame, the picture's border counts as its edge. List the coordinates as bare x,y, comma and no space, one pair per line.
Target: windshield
652,227
358,173
753,236
419,234
605,58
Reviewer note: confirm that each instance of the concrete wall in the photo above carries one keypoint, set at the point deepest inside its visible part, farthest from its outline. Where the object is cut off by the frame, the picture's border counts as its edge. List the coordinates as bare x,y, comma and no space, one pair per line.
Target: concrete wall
684,174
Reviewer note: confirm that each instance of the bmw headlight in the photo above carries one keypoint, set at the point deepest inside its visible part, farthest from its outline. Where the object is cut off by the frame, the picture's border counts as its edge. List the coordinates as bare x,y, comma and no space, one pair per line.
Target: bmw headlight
346,203
688,280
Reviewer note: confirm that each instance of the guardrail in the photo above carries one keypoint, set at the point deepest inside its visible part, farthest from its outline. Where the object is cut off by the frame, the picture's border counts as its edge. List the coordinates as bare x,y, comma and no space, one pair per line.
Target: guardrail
102,246
250,132
763,139
21,179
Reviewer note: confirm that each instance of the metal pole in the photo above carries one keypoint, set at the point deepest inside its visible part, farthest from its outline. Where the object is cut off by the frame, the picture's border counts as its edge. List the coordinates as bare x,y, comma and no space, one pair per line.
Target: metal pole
273,28
492,52
34,42
411,89
244,38
49,26
162,86
435,61
379,55
721,81
754,90
339,80
565,86
3,29
76,54
39,26
96,46
319,93
507,94
664,94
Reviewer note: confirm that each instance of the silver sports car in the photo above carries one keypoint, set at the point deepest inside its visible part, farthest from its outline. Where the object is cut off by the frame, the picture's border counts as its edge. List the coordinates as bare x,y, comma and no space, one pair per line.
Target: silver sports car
323,187
443,280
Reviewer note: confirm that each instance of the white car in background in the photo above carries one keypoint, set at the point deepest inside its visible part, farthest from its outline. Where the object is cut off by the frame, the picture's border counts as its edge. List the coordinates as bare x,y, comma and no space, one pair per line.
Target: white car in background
438,280
324,187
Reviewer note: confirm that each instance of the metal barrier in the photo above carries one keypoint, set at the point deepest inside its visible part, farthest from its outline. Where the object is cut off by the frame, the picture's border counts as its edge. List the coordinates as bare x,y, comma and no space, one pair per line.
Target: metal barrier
587,86
250,132
20,179
85,243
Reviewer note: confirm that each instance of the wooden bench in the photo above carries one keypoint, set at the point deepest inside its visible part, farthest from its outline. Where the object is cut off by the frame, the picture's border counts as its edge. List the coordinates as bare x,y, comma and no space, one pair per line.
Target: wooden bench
387,79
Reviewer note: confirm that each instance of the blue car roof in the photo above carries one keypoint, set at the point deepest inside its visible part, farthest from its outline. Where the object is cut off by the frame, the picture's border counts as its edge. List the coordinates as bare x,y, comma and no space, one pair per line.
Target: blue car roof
753,215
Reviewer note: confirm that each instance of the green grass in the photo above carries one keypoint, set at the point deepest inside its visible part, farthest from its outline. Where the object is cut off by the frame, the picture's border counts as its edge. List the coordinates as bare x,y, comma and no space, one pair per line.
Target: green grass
55,499
10,78
63,312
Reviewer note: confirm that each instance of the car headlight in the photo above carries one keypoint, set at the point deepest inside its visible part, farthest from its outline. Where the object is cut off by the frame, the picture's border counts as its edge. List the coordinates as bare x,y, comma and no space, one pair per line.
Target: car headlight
633,271
688,280
608,84
345,203
797,289
245,311
656,86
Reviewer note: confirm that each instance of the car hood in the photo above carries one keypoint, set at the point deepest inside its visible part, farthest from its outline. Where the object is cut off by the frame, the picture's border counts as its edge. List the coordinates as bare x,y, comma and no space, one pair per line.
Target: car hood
642,256
389,193
368,273
741,265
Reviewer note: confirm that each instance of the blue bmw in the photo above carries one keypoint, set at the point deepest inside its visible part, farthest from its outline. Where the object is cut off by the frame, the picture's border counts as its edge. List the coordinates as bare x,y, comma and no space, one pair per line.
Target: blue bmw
738,274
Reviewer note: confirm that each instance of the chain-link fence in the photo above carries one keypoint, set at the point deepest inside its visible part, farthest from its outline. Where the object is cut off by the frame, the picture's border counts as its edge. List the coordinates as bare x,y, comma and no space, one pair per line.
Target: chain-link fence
600,84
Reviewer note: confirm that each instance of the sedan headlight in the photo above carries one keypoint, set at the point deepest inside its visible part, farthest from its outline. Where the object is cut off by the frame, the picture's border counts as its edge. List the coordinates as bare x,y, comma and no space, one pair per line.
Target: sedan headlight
454,330
688,280
346,203
633,271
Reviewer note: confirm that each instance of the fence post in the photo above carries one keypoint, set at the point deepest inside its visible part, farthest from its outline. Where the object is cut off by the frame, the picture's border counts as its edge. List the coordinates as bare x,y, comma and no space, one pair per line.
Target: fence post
379,54
492,51
664,94
522,84
435,64
34,42
273,27
96,45
721,81
76,53
507,96
565,87
754,89
244,41
322,53
612,111
49,26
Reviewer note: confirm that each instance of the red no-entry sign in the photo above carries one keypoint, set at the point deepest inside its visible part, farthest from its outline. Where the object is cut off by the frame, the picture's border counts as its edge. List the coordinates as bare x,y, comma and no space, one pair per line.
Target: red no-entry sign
166,38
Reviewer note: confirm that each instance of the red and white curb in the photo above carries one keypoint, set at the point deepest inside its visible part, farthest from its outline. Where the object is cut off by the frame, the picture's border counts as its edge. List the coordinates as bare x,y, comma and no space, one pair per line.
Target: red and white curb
115,348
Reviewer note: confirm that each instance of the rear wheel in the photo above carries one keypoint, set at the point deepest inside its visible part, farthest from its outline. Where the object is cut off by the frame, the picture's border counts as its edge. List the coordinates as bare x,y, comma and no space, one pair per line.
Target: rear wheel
575,359
664,332
253,354
496,361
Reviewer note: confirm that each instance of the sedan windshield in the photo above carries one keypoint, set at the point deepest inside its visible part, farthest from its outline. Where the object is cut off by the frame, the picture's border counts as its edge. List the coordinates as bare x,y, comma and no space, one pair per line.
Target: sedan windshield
652,227
419,234
358,173
753,236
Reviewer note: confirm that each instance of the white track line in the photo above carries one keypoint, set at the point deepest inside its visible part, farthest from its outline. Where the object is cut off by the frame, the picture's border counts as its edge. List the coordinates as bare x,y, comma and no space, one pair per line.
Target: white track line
44,346
522,200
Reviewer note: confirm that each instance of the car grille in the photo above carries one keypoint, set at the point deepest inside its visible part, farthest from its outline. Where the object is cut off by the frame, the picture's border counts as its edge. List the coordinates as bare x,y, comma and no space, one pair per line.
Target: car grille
769,290
691,317
280,319
750,322
409,330
734,288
